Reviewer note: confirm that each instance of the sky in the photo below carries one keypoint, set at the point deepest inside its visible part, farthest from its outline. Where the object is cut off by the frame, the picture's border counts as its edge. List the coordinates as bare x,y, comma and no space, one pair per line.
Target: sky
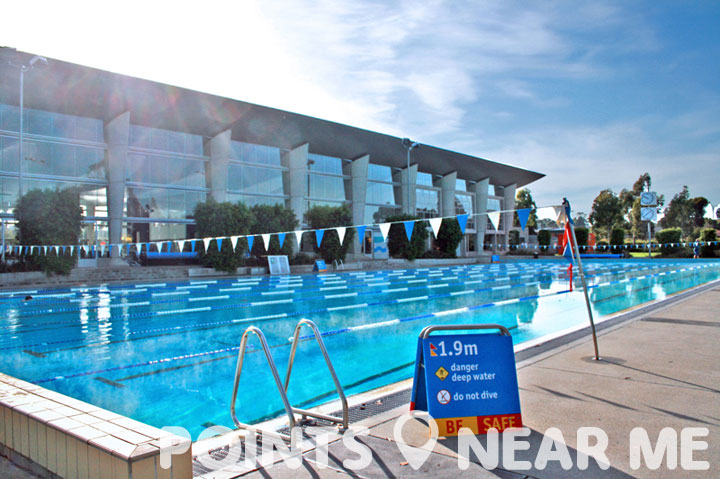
592,94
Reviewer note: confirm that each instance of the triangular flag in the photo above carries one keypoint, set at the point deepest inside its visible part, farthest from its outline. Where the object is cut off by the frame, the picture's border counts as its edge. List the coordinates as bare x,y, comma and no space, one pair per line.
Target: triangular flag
281,239
266,240
206,243
72,248
180,245
233,241
567,252
523,216
87,249
102,250
219,243
57,250
384,229
462,221
250,240
361,233
319,236
341,231
298,237
20,249
45,248
409,225
435,225
158,245
494,217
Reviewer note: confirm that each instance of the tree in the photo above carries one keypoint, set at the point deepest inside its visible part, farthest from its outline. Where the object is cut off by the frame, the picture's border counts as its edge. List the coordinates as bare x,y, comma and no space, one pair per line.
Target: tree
50,217
398,244
679,213
273,219
699,203
449,236
606,212
580,220
322,217
524,199
214,220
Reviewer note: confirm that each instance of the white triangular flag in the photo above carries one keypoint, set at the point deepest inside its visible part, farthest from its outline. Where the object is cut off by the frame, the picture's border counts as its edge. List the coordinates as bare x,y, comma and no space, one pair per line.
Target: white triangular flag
385,229
72,248
57,250
158,245
45,250
180,245
86,248
341,231
435,225
102,250
266,240
494,217
298,236
206,243
233,241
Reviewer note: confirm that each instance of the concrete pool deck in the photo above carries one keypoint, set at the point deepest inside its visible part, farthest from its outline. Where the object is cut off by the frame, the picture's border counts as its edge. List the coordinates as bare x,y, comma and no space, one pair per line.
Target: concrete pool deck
660,369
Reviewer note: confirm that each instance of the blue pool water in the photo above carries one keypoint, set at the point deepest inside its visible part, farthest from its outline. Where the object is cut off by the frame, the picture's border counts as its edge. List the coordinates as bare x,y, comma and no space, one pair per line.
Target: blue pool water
165,353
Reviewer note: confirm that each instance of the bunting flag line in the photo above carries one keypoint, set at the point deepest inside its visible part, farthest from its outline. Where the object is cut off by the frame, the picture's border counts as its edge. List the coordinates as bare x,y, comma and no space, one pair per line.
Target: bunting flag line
266,240
462,221
409,225
494,217
233,242
319,236
206,243
361,233
181,245
341,231
250,240
298,237
523,215
384,230
435,225
219,243
281,239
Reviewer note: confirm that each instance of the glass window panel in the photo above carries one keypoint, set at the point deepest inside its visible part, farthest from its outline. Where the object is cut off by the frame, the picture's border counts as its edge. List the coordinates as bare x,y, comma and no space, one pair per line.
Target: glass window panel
157,168
93,198
90,163
377,214
38,122
9,118
9,154
176,204
327,187
175,141
460,185
255,200
64,126
379,172
37,157
380,193
494,204
140,136
89,129
8,194
424,179
325,164
192,198
491,190
250,179
428,203
63,160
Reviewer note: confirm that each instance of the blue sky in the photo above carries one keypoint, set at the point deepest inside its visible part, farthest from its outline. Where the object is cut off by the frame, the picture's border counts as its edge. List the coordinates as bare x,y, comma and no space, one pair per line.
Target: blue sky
592,94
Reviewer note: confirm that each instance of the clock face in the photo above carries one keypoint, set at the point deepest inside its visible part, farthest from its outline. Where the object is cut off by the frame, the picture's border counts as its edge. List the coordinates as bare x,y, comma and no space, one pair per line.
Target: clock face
648,214
648,198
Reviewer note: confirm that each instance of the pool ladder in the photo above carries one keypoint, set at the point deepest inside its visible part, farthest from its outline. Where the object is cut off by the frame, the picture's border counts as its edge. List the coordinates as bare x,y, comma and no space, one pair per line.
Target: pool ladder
338,264
283,388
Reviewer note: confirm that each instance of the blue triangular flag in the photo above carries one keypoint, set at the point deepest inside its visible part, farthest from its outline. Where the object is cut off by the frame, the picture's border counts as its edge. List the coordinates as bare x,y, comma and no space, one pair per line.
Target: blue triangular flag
219,243
192,246
361,233
462,221
319,236
409,225
250,240
523,216
281,238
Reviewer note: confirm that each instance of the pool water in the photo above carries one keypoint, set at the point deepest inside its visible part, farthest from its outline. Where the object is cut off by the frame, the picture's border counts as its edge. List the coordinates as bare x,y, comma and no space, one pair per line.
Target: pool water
165,353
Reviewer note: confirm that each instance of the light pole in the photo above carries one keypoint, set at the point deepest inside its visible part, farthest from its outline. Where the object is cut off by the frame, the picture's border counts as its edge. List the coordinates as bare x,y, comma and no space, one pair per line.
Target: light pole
410,145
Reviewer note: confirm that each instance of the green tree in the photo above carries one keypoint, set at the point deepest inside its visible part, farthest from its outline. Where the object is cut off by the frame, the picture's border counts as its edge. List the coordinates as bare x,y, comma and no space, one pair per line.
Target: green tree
699,203
524,199
580,220
449,236
50,217
215,219
679,213
398,244
582,234
273,219
667,237
322,217
544,237
606,212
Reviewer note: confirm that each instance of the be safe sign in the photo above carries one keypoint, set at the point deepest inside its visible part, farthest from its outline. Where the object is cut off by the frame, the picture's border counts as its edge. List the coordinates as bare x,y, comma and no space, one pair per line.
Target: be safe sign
467,380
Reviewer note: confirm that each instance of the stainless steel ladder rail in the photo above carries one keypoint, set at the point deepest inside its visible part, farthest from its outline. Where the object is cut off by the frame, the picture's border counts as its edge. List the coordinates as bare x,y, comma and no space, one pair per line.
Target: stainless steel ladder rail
282,390
305,413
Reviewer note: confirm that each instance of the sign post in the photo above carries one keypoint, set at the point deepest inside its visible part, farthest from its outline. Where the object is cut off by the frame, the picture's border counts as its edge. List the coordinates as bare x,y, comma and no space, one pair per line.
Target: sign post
648,211
467,380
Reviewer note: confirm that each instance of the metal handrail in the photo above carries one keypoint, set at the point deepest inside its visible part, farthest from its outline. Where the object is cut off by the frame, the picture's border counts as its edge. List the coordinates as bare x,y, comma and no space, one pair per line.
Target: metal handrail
338,264
459,327
276,376
296,336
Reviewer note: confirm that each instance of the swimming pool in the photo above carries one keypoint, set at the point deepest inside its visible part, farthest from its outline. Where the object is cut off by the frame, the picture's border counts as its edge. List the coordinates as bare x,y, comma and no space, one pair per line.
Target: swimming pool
165,353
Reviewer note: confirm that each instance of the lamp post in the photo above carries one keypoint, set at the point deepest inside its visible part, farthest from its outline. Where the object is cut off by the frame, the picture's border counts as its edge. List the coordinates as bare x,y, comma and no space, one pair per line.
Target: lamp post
410,145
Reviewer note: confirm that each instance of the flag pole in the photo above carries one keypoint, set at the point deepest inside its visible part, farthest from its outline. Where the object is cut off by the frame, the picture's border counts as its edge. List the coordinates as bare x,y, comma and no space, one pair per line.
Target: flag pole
566,205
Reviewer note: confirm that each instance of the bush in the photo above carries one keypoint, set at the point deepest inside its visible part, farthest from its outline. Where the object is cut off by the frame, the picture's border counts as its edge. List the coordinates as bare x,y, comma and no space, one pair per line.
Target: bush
514,237
215,219
544,237
273,219
50,217
582,234
448,238
321,217
708,250
617,236
669,235
398,244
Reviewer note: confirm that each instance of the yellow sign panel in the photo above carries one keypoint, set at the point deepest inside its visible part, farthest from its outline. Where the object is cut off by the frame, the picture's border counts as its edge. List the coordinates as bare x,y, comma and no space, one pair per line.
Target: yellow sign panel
441,373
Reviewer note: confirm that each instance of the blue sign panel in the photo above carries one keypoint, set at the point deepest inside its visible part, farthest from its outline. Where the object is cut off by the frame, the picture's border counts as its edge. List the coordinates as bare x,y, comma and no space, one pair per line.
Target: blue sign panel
320,266
467,380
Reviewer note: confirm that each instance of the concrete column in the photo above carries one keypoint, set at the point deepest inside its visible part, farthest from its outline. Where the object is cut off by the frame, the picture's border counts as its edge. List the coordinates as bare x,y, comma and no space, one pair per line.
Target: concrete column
295,179
481,199
356,191
216,173
447,193
117,137
408,181
509,204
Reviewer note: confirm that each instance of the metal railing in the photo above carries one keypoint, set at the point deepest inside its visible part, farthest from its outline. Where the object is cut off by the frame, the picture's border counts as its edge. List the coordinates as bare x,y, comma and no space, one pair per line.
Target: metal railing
305,413
338,264
462,327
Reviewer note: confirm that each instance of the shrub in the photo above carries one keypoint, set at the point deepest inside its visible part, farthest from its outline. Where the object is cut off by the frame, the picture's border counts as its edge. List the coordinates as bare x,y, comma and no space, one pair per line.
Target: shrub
321,217
582,234
617,236
50,217
398,244
273,219
666,236
215,219
514,237
708,250
449,237
544,237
